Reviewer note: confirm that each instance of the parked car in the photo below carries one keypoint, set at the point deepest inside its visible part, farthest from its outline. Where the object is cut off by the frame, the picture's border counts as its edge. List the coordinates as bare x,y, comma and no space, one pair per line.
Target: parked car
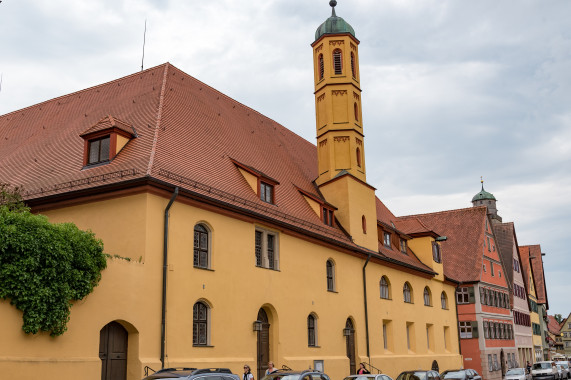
517,374
369,376
419,375
565,372
307,374
460,374
544,371
193,374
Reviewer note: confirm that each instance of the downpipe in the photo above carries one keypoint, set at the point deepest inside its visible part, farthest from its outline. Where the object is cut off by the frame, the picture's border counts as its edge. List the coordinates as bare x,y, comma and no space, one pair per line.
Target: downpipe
165,271
366,307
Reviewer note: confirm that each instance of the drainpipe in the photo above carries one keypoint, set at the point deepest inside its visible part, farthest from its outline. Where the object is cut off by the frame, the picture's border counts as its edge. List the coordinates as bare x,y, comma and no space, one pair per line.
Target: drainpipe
366,311
165,268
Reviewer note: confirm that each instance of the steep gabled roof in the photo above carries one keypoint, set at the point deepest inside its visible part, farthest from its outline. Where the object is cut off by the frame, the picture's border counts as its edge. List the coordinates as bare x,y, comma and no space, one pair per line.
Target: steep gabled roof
553,325
462,253
188,135
505,240
534,252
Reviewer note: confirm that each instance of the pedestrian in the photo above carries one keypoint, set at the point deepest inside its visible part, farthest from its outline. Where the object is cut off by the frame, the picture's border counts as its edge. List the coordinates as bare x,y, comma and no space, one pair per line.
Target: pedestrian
247,373
362,370
528,367
271,368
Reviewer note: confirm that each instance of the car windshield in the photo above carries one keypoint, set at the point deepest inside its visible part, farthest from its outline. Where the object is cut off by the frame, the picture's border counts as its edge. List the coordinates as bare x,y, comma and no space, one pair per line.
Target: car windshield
541,365
418,375
515,371
564,365
454,375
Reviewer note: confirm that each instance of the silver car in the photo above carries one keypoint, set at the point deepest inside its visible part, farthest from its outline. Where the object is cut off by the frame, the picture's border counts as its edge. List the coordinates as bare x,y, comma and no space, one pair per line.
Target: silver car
369,376
517,374
565,373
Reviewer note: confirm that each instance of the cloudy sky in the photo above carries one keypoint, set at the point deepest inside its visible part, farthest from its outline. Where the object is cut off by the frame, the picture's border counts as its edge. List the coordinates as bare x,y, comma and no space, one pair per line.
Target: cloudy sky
452,90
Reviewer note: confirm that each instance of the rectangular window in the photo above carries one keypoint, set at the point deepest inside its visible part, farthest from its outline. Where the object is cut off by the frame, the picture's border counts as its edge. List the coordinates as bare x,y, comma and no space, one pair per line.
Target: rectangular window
403,245
486,330
266,192
465,330
385,340
446,337
387,334
387,239
98,150
492,268
490,363
429,338
266,249
436,255
496,365
462,295
410,336
489,245
327,216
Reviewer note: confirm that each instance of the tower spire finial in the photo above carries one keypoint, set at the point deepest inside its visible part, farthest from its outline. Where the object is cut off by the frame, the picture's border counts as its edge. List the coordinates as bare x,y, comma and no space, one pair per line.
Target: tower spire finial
333,3
482,181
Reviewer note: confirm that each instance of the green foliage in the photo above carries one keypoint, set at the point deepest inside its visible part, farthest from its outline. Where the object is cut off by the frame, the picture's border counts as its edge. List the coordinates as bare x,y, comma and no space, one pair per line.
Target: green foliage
45,266
11,198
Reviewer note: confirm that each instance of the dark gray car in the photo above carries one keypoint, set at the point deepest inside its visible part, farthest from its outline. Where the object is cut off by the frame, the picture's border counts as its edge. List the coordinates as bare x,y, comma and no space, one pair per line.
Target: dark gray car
193,374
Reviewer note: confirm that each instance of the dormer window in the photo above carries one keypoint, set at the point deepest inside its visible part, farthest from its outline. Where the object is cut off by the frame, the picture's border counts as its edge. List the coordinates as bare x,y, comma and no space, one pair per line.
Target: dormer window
266,192
261,183
98,150
104,140
387,239
436,255
327,216
403,245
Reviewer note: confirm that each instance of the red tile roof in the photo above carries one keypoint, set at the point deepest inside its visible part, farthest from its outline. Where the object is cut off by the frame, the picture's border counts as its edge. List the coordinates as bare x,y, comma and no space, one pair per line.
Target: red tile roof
524,256
188,134
462,251
553,325
534,252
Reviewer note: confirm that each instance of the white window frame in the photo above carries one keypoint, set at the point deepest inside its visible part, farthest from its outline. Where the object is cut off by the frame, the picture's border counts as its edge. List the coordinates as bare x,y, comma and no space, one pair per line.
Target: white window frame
264,249
465,328
386,239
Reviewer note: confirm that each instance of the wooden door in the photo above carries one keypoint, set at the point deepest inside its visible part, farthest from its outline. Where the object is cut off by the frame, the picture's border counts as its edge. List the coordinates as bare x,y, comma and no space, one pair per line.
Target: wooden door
351,347
113,352
503,361
263,344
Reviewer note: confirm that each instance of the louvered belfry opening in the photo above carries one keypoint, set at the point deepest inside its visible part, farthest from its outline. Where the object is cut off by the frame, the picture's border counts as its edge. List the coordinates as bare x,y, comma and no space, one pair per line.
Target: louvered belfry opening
337,62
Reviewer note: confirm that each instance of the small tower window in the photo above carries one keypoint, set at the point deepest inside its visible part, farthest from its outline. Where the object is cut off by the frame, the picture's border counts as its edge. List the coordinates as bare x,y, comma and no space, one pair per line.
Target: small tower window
321,66
358,157
353,65
356,108
337,62
364,223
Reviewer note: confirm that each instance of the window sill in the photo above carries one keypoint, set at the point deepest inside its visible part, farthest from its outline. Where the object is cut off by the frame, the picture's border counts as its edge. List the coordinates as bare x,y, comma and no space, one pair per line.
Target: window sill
275,270
428,305
202,345
206,269
388,299
314,346
333,291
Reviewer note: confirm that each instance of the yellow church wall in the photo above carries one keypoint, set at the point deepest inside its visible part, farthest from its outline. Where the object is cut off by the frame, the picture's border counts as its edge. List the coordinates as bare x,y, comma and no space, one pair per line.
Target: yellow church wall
235,289
422,248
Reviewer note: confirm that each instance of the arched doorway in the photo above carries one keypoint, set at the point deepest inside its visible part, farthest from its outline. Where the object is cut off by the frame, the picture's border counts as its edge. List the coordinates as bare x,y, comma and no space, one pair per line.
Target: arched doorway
503,361
350,335
113,352
435,366
263,343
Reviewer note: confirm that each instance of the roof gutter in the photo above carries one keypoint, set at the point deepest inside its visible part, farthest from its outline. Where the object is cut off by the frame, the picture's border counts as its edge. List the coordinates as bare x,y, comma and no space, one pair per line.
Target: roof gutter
165,271
365,304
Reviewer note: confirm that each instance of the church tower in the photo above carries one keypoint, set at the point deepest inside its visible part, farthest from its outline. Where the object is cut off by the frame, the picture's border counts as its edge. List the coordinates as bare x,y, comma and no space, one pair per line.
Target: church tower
339,124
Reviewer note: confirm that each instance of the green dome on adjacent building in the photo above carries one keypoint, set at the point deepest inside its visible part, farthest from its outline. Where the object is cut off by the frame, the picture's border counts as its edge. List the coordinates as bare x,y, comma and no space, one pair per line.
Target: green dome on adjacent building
334,24
483,195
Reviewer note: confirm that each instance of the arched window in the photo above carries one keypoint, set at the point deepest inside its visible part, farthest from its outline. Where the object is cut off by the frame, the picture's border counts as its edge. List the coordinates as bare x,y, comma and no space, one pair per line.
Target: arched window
311,331
384,285
427,300
337,62
444,301
330,276
356,109
201,246
358,152
353,66
407,293
200,318
321,66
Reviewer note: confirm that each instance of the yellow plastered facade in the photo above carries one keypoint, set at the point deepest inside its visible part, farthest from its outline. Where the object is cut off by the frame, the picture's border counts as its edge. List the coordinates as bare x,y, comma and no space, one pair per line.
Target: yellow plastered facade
235,289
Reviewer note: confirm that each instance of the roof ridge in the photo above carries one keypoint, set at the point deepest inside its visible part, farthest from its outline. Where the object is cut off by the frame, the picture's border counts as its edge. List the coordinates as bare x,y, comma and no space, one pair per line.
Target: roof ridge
477,208
158,123
82,90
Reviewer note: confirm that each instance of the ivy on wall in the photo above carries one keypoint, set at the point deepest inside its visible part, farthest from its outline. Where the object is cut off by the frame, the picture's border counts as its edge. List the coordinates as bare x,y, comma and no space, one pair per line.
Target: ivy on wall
45,266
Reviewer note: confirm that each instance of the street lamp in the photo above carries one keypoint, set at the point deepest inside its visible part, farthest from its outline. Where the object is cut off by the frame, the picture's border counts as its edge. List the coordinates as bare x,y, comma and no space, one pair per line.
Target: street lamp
257,325
347,331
